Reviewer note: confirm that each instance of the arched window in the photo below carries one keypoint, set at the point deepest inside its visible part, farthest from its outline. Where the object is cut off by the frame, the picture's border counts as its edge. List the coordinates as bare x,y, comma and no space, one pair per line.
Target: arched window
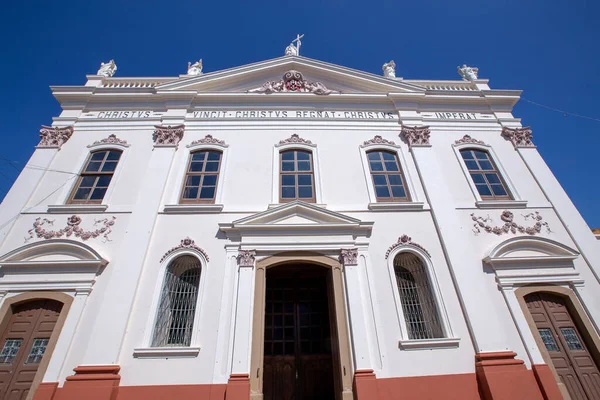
387,176
177,306
296,176
485,175
200,184
418,302
96,176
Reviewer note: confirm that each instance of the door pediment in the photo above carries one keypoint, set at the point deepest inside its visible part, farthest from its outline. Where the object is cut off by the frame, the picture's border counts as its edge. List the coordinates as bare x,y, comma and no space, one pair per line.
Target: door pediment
248,77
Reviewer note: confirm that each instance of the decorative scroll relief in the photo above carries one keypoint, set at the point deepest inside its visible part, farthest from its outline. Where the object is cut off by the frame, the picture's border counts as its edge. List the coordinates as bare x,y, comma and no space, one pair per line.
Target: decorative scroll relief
482,224
349,256
72,229
520,137
54,137
208,139
416,136
168,136
246,258
186,243
469,140
378,140
295,139
293,81
403,241
111,139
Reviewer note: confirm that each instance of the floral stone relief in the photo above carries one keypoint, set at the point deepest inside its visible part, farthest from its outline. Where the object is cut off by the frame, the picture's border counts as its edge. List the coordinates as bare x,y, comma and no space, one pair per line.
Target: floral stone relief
510,226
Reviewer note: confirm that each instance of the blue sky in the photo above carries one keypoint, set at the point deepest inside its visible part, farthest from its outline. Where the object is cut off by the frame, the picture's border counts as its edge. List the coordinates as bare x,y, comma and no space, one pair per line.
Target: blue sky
549,49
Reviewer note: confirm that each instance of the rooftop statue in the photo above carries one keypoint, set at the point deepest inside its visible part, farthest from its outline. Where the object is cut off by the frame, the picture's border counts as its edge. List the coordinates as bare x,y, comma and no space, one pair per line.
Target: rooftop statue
195,69
389,69
107,69
468,73
292,50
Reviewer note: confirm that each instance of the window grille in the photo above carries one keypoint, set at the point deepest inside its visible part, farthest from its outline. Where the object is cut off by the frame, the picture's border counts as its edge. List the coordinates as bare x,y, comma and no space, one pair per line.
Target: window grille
416,296
177,306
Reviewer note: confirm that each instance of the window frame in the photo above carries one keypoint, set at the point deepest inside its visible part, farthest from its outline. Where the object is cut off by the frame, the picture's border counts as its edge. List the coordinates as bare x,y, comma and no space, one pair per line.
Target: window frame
400,172
279,148
187,172
193,350
82,173
494,170
514,201
296,173
448,339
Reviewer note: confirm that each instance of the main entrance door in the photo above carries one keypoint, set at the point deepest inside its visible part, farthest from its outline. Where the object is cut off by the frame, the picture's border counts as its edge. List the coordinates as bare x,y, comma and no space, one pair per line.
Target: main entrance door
298,356
568,351
23,344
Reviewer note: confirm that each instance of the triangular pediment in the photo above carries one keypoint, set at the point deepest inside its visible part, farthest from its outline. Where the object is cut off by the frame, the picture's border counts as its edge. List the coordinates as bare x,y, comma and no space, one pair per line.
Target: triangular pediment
297,213
248,77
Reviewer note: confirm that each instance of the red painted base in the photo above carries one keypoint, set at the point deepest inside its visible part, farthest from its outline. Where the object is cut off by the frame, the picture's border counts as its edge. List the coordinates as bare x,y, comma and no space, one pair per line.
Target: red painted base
502,377
238,387
547,382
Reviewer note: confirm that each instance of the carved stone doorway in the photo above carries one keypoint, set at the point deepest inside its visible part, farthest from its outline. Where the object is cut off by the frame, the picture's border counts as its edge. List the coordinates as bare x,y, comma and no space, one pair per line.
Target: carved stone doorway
300,342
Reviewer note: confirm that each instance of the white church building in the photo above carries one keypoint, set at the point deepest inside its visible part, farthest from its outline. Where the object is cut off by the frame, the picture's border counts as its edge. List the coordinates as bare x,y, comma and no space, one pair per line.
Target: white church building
294,229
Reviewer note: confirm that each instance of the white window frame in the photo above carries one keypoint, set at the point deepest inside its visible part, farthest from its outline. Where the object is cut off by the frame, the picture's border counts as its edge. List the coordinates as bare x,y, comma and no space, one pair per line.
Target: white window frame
405,342
276,173
516,202
172,202
180,351
68,189
415,201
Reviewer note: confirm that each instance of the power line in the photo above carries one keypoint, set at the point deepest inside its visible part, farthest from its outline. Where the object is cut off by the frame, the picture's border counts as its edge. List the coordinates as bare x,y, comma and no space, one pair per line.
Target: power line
563,112
36,167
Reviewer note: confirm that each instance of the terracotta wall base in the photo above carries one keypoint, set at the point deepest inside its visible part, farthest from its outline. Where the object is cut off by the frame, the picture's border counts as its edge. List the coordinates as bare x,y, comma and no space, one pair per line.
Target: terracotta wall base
502,377
435,387
547,382
238,387
98,382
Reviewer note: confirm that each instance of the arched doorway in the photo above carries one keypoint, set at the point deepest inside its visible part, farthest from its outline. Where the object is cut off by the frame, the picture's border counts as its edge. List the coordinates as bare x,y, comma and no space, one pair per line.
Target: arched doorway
25,338
566,343
298,343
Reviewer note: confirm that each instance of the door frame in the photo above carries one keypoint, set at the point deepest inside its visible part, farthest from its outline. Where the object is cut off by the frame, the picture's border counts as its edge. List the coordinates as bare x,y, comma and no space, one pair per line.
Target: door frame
577,313
344,369
6,312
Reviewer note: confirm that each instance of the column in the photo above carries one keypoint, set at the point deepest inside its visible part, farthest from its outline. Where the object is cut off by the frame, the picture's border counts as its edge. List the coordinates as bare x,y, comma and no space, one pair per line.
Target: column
17,198
501,376
365,385
99,362
238,386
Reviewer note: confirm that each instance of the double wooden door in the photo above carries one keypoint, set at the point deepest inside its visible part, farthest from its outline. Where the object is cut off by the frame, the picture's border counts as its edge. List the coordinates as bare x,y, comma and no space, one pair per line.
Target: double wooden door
298,361
566,346
24,343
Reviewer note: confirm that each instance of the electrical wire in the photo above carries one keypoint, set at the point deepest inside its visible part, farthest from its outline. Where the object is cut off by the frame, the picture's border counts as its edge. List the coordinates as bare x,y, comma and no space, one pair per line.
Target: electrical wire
563,112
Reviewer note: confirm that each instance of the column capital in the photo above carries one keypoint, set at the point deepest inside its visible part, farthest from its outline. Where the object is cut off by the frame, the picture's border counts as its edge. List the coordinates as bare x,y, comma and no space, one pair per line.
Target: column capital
167,136
519,137
416,136
246,258
349,256
54,138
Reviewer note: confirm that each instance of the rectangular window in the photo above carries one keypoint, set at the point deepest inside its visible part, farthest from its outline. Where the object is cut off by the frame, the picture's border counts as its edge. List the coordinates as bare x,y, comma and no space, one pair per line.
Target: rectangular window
200,184
387,176
93,181
571,338
548,339
296,176
10,350
37,351
485,175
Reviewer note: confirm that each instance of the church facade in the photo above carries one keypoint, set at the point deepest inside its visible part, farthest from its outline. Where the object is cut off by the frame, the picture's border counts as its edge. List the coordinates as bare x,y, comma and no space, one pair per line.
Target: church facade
293,229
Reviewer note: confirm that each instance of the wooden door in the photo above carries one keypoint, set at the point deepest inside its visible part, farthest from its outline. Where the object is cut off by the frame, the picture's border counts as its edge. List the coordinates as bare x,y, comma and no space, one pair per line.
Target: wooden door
24,343
565,345
298,354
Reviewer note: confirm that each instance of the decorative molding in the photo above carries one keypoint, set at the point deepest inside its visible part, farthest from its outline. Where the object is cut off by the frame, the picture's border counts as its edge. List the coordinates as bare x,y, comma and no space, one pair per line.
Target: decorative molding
403,241
54,137
200,208
469,140
111,139
246,258
349,256
209,139
378,140
520,137
186,243
166,352
416,136
417,344
72,229
293,81
295,139
167,136
509,224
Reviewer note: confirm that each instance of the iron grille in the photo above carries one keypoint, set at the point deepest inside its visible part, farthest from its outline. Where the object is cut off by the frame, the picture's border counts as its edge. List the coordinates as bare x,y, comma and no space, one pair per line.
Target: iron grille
177,306
418,303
